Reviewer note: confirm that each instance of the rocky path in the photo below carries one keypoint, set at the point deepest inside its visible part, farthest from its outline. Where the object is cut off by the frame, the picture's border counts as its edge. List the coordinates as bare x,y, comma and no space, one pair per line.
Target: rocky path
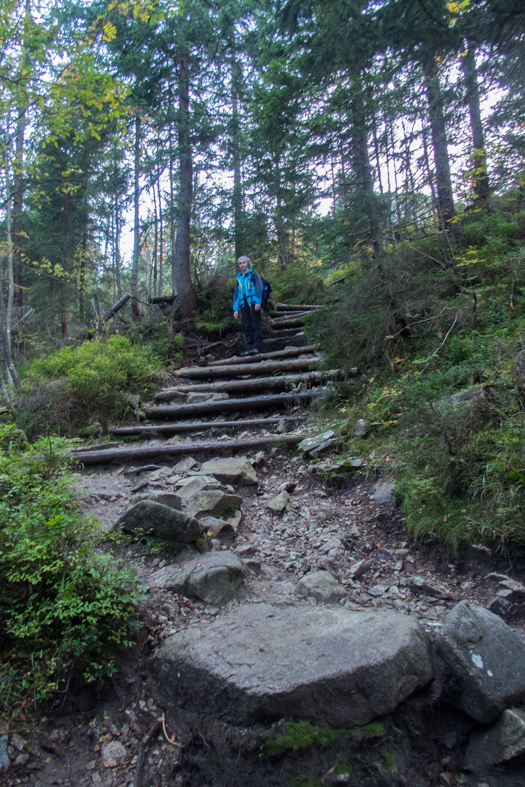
285,586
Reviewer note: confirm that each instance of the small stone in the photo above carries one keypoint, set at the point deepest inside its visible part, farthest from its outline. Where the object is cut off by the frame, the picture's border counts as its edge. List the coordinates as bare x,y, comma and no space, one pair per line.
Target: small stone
282,427
4,757
384,554
246,551
259,459
287,486
113,752
361,428
188,463
320,585
382,493
500,743
253,565
359,569
231,470
377,590
280,503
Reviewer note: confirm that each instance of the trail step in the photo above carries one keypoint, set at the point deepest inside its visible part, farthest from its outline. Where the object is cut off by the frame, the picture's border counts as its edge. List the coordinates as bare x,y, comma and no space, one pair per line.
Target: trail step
238,370
288,352
198,426
230,405
254,384
150,451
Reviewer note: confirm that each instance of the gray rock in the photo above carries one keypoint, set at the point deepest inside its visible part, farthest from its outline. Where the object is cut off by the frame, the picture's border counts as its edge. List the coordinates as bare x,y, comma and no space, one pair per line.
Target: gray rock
361,428
280,503
321,585
382,493
218,528
246,551
259,460
378,590
197,398
422,587
323,664
486,660
359,569
213,577
184,465
287,486
165,498
317,444
467,398
231,470
346,465
162,521
171,395
500,743
113,752
4,756
186,487
282,427
212,502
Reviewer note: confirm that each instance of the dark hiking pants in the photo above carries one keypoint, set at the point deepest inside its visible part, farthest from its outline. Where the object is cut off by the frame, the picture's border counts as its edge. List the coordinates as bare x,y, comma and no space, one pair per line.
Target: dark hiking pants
251,321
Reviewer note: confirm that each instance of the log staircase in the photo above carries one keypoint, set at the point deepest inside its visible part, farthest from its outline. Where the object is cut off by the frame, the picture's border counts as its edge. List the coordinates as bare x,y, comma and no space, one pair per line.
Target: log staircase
280,381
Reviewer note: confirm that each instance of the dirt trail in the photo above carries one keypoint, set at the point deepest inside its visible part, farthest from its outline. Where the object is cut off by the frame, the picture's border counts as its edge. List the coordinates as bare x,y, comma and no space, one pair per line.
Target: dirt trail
120,735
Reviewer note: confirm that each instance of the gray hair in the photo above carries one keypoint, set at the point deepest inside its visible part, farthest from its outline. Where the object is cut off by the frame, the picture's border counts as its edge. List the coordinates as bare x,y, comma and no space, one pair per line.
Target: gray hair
244,257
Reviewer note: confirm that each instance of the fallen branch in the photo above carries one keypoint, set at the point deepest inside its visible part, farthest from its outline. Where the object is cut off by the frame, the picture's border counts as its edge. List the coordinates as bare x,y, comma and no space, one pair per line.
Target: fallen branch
142,753
117,306
441,345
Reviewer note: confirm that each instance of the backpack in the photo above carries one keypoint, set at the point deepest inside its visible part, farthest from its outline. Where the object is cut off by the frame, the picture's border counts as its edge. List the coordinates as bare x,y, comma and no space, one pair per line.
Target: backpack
267,289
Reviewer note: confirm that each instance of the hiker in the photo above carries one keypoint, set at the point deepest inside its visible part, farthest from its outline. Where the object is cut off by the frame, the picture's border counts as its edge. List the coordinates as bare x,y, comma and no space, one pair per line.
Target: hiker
247,301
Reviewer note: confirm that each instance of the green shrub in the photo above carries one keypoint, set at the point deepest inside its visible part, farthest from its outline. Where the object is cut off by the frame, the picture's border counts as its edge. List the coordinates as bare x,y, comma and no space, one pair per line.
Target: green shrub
65,608
97,373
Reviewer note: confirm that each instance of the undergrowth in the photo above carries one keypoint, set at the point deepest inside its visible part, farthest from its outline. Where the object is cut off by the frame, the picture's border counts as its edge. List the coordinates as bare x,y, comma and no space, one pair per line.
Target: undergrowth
74,385
441,341
66,608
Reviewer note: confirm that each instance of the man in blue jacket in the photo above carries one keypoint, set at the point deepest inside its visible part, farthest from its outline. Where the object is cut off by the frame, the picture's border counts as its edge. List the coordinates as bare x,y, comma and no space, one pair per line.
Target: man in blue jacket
247,300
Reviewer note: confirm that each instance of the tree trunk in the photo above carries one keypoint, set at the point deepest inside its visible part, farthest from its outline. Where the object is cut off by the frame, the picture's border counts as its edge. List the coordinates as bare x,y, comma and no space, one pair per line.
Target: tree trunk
136,227
182,271
439,143
480,179
161,239
117,248
236,148
155,244
18,208
363,167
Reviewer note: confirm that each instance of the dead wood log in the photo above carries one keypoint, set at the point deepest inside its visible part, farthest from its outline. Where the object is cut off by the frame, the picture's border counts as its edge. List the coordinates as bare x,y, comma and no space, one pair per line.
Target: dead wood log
276,343
237,370
285,315
277,355
286,323
256,384
117,306
197,426
148,452
230,405
162,299
286,307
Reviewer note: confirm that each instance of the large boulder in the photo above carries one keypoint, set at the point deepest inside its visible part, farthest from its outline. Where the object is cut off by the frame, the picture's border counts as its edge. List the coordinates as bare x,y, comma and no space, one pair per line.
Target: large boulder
231,470
262,662
500,743
186,487
161,521
321,585
212,502
213,578
486,661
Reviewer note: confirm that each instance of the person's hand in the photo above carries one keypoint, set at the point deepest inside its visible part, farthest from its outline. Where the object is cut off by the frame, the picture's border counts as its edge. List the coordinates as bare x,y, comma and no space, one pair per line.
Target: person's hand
257,307
236,315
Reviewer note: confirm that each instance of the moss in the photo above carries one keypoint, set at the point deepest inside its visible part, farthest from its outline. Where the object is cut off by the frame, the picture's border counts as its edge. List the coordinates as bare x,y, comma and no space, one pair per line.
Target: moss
233,576
343,767
375,729
304,781
202,544
300,736
389,763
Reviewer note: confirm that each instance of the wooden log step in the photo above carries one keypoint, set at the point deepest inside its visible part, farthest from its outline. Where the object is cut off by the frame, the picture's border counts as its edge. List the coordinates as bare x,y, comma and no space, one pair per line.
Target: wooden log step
286,323
284,315
255,384
230,405
237,370
283,333
276,344
197,426
131,453
286,307
279,354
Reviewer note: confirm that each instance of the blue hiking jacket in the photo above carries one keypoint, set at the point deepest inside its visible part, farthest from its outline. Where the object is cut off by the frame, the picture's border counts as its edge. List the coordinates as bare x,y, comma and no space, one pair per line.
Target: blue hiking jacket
248,290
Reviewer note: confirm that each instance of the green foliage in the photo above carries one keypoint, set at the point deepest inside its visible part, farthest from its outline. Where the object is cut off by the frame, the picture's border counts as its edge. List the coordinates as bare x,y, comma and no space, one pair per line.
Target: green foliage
65,606
304,780
300,736
91,377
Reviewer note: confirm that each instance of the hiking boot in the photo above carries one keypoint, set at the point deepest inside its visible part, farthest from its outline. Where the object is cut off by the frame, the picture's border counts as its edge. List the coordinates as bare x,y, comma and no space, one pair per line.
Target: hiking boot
254,352
245,353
